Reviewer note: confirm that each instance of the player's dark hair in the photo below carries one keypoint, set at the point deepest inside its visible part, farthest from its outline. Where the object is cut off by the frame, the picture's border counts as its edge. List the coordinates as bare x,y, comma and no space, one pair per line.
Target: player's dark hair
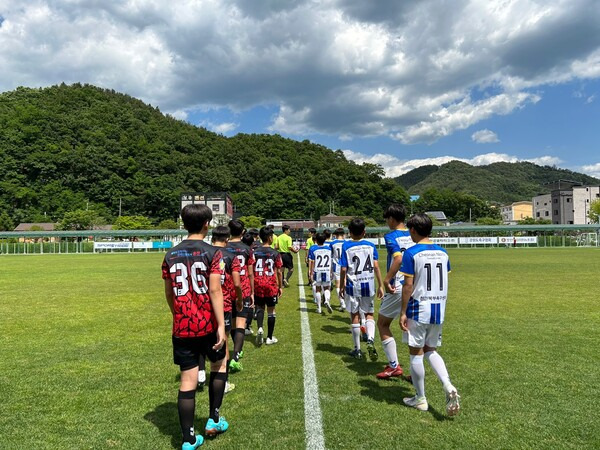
396,211
284,228
421,223
236,227
194,217
253,232
272,227
339,232
248,239
320,238
265,232
327,233
356,227
312,230
220,234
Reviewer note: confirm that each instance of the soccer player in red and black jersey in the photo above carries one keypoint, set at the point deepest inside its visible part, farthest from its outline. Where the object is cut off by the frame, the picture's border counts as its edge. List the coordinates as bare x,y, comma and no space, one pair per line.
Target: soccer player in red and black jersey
267,284
245,255
231,284
192,272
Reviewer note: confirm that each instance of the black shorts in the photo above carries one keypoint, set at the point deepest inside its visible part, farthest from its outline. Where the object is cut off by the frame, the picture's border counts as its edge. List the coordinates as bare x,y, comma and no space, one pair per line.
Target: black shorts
245,308
228,316
271,302
288,260
187,351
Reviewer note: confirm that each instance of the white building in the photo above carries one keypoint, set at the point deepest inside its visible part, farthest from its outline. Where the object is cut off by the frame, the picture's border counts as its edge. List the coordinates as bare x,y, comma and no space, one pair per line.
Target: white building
220,204
583,196
542,207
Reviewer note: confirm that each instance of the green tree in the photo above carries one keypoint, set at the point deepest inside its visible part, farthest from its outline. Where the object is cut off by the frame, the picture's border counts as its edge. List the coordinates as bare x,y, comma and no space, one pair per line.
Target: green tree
133,223
80,219
594,213
6,223
532,221
488,221
168,224
252,221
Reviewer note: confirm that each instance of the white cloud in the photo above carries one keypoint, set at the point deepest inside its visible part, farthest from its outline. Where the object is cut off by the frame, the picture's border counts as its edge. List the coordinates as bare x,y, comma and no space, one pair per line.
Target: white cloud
221,128
592,169
179,114
485,137
416,71
395,167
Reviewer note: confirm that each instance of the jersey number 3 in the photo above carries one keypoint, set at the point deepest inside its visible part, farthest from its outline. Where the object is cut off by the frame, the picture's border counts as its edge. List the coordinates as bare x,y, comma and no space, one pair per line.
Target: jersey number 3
182,278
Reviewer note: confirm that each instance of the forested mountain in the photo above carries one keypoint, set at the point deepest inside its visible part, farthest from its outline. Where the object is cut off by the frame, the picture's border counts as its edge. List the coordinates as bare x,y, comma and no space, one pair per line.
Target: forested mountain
500,182
65,148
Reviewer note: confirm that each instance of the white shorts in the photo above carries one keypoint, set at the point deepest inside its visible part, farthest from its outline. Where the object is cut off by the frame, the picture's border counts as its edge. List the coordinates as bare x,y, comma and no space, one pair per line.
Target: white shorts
365,304
336,276
421,335
391,305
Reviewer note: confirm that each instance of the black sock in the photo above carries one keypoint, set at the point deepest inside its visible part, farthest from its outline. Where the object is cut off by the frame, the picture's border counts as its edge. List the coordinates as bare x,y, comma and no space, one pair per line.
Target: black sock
271,325
201,363
215,393
186,404
238,343
260,317
289,274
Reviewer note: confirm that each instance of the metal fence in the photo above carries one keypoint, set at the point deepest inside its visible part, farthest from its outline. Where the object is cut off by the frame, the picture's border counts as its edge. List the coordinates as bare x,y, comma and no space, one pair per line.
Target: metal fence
95,241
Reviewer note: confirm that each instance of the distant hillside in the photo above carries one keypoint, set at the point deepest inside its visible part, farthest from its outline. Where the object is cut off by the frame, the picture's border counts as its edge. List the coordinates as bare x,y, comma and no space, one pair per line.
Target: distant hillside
500,182
64,148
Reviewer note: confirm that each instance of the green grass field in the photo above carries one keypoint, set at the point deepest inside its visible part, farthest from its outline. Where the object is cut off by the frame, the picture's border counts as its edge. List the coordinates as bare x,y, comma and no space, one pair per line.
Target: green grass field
85,361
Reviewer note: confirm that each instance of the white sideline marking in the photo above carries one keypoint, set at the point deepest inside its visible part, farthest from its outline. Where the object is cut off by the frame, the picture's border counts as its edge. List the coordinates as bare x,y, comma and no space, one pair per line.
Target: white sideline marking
313,421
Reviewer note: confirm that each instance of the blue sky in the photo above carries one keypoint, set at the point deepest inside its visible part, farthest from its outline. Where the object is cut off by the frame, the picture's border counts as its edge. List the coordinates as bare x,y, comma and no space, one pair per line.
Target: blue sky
400,84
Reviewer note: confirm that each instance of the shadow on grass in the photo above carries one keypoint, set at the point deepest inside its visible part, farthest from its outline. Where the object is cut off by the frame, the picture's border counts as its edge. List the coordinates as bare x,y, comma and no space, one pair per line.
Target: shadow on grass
165,417
392,392
335,330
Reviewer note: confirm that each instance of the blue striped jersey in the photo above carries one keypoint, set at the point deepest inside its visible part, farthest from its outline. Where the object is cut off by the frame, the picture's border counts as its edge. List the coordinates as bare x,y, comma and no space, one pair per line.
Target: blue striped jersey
429,264
321,256
336,252
359,259
396,242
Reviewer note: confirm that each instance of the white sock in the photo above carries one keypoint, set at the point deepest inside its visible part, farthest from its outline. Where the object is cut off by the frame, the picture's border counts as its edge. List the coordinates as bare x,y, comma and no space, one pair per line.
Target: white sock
356,335
327,295
318,298
439,368
370,324
314,290
417,373
389,348
362,317
337,291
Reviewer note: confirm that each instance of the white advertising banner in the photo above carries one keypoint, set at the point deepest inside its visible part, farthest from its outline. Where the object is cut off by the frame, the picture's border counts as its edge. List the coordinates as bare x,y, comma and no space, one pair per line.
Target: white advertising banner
147,244
509,240
112,245
445,240
478,240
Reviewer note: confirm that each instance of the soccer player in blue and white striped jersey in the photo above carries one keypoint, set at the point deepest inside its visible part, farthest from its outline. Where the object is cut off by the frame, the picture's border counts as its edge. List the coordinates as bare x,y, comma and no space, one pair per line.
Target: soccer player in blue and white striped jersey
336,253
396,242
359,269
319,269
425,267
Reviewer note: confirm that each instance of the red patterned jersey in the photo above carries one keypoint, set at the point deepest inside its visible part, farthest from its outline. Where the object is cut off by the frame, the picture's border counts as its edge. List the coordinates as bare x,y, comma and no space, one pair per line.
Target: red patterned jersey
267,262
246,257
189,266
230,264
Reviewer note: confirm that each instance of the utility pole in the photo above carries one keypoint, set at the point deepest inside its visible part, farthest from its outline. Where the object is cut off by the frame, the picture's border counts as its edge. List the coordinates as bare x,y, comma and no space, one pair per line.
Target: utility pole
120,205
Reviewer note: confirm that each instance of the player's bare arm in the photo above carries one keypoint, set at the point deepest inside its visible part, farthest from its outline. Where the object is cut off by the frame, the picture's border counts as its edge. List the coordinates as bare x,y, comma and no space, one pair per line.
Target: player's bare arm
343,281
407,289
169,295
378,277
391,274
251,278
237,284
311,268
280,281
216,300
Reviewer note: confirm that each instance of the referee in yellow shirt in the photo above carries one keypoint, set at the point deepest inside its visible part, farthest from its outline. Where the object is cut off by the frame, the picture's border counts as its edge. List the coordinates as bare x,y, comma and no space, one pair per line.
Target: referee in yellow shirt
286,248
